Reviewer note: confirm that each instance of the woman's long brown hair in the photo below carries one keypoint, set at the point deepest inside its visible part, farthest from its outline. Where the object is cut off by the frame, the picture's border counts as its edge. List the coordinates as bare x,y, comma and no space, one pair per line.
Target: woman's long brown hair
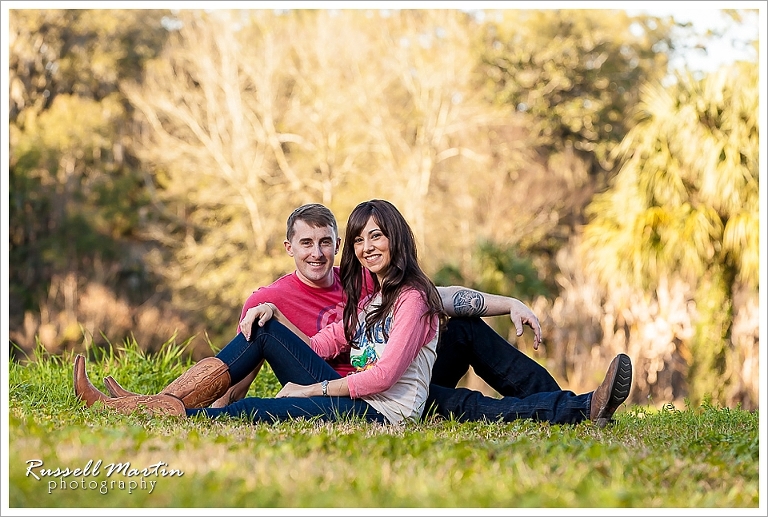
403,271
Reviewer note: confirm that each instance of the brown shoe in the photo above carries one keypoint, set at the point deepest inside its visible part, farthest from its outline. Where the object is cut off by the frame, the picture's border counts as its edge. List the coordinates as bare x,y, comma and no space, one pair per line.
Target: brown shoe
153,404
203,383
223,401
114,389
198,387
614,390
84,390
157,404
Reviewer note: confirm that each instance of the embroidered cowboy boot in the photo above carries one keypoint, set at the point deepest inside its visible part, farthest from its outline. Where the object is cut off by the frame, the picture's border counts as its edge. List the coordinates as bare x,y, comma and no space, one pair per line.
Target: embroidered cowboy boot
234,393
114,389
204,382
156,404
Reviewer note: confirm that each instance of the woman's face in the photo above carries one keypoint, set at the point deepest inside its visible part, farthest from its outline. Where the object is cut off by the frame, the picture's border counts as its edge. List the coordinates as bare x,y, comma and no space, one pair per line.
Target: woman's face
372,249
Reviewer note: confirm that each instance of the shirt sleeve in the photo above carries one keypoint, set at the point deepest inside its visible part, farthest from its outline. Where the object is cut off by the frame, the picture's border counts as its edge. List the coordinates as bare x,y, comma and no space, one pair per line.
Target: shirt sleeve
258,296
409,332
330,341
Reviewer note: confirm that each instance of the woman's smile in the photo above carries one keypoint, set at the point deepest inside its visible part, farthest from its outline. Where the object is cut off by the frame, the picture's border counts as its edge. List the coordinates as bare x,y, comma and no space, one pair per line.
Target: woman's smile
372,249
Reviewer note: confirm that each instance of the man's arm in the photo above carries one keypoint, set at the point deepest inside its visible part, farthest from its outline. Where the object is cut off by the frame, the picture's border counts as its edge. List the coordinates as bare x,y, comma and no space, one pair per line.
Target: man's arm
261,314
468,303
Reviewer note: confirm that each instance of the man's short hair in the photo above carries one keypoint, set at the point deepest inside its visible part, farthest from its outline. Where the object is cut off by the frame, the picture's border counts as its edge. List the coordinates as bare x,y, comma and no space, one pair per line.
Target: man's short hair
315,215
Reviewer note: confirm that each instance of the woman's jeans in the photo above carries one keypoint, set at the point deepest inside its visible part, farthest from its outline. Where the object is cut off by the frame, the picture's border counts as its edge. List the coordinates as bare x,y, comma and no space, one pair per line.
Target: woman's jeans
527,389
292,361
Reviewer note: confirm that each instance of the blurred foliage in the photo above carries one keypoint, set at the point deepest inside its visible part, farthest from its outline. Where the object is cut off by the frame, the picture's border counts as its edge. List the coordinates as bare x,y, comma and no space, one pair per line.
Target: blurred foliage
686,198
78,198
686,204
154,155
576,73
75,193
502,271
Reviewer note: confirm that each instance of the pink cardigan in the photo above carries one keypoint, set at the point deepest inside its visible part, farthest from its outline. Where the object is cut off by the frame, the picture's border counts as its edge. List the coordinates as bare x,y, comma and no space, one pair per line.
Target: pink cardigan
408,334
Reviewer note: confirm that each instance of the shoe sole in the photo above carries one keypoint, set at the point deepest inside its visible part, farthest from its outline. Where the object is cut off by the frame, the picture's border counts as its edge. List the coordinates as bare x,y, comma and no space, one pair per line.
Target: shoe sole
622,382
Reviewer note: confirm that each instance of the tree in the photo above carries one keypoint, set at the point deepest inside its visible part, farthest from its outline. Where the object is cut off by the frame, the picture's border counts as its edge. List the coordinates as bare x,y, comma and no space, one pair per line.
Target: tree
685,204
244,120
574,75
75,192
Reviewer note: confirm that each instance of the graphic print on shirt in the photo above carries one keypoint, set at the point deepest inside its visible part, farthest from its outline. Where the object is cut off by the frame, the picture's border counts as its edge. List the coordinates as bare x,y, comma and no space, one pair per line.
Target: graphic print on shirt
329,314
369,351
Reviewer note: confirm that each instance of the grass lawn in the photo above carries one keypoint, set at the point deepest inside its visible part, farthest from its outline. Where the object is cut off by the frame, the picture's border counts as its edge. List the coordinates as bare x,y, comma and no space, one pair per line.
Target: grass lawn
689,458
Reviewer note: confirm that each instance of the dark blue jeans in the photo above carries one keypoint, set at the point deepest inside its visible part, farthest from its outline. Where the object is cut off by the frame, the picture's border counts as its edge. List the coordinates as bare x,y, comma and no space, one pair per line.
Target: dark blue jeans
527,389
292,361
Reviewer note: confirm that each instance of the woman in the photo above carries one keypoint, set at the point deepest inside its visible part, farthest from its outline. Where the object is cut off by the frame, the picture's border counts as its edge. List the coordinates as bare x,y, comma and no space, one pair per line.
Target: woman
390,330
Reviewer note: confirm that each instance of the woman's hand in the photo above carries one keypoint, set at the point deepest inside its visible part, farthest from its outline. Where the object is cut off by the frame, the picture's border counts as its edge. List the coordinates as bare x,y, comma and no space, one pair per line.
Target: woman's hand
294,390
262,313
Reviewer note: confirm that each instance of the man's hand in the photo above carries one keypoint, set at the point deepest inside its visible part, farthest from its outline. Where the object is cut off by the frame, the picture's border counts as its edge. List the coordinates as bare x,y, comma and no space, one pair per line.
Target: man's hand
263,312
521,315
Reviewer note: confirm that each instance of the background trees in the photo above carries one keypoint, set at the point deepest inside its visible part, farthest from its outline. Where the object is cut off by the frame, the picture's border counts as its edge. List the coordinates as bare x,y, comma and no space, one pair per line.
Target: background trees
685,206
77,196
155,156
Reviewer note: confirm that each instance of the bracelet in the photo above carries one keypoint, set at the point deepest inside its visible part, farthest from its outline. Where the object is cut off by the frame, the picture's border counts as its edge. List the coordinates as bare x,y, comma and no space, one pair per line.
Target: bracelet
324,384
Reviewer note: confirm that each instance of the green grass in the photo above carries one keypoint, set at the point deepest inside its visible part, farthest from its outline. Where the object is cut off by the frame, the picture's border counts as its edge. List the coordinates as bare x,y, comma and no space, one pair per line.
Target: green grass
704,457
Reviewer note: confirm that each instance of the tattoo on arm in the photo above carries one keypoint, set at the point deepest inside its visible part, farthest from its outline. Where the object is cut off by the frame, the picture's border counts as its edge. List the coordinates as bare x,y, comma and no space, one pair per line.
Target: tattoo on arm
468,303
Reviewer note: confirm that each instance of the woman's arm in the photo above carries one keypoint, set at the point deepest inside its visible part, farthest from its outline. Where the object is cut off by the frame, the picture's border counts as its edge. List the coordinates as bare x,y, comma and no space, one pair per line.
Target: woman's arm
409,332
329,342
463,302
336,388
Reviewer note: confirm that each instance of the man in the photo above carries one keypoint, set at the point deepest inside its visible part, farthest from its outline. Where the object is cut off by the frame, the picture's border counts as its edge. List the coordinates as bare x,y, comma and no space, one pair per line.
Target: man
311,298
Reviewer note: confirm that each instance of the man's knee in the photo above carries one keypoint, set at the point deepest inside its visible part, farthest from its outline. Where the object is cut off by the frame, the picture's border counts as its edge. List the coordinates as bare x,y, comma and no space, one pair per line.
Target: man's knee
460,328
468,325
459,322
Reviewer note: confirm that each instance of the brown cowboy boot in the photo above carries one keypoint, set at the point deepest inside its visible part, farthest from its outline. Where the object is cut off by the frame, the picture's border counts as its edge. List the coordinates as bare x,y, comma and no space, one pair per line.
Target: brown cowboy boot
204,382
114,389
613,391
87,392
233,393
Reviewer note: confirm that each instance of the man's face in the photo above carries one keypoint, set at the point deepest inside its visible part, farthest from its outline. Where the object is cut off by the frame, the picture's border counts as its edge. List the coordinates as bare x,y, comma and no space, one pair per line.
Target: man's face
313,251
